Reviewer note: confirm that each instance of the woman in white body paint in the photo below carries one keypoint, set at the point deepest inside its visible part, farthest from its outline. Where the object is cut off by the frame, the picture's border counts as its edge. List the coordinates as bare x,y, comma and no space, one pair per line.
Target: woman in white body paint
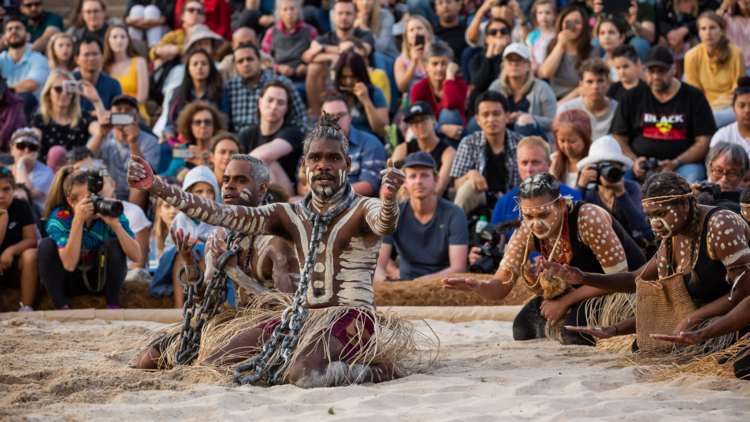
577,234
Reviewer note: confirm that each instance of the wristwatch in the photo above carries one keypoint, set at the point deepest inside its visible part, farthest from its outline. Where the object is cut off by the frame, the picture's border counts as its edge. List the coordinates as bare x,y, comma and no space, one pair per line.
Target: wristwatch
21,166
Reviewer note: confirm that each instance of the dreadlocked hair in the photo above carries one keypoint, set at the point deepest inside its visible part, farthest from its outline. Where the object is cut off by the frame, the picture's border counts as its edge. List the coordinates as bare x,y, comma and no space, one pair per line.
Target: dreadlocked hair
538,185
327,127
667,184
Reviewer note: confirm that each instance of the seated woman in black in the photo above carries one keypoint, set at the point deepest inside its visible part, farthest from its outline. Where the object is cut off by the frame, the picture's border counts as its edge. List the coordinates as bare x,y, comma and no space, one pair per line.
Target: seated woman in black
704,247
576,234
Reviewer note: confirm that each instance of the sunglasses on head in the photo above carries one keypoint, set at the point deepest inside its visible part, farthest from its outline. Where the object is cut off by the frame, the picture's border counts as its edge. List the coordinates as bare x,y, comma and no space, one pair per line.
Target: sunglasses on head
94,165
494,31
27,145
197,10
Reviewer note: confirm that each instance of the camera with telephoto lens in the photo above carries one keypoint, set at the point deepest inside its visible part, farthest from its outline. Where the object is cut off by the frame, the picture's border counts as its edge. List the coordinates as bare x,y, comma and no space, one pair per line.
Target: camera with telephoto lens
491,255
651,165
96,184
609,171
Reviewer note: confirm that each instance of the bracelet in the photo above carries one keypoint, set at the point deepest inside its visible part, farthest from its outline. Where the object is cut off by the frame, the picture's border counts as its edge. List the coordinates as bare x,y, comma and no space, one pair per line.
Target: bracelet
617,331
679,162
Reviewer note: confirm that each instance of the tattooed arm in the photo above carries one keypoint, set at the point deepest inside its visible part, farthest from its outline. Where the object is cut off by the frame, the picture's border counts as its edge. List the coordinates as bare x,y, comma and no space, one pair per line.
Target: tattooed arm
382,218
259,221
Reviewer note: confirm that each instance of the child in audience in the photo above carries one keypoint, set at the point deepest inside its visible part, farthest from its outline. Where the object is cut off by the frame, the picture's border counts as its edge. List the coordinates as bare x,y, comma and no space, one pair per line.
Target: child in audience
629,71
543,15
165,215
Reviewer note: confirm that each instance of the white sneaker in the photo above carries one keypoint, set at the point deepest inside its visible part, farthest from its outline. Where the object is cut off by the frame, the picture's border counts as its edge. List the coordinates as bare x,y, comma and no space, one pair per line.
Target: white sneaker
25,308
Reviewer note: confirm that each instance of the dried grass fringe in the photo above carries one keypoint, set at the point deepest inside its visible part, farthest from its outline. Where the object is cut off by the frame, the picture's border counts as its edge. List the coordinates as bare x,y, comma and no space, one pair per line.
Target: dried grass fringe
602,311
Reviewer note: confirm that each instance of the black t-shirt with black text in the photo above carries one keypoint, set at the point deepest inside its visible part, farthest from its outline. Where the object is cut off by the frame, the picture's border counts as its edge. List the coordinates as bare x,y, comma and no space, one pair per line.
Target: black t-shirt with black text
496,169
19,216
663,130
251,138
616,91
455,37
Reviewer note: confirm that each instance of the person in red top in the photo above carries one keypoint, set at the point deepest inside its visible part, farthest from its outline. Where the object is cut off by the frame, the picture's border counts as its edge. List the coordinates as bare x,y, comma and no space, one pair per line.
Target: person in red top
293,37
218,16
445,93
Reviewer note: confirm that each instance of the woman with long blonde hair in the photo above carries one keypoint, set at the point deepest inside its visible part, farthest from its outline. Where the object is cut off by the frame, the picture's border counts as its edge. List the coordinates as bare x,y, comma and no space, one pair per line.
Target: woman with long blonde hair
122,63
60,52
409,67
60,121
371,16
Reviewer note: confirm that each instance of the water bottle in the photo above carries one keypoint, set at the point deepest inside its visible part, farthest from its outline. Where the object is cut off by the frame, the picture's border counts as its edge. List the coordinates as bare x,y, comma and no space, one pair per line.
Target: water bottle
481,224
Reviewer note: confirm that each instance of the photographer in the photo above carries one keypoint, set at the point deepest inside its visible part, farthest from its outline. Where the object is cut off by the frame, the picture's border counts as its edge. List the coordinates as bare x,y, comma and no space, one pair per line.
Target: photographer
80,237
115,142
726,164
432,238
601,182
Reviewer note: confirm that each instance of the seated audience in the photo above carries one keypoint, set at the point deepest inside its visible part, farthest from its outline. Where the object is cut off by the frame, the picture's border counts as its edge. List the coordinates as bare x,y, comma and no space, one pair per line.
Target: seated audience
450,28
27,171
288,39
593,100
223,146
113,144
410,66
432,238
365,150
572,140
41,24
486,65
18,247
11,114
367,103
122,63
165,215
667,120
202,82
274,140
621,198
244,90
629,72
172,45
94,14
543,15
379,21
736,14
485,165
611,34
239,37
22,193
739,131
677,26
726,164
60,52
565,53
88,55
443,91
217,14
197,124
61,121
324,50
378,77
531,102
421,121
25,70
199,181
714,65
508,11
146,21
78,239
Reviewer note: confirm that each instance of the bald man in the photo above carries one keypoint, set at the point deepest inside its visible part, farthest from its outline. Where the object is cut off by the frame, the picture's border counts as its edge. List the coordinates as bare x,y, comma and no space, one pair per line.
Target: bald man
241,36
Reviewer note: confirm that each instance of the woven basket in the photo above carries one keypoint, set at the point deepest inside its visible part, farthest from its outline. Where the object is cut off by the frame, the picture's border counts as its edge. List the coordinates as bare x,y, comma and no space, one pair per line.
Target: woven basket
660,306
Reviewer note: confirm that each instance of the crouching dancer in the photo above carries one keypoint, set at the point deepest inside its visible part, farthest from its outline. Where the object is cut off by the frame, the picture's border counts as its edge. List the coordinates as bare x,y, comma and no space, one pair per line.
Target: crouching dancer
266,263
336,337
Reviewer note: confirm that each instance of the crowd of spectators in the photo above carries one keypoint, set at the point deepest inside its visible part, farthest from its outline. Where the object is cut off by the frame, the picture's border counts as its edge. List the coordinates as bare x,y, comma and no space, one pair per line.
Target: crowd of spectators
468,98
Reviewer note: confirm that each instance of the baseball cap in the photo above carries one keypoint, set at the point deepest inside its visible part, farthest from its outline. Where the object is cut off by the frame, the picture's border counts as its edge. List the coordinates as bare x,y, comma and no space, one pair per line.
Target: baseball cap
659,56
417,109
517,48
124,98
25,134
419,158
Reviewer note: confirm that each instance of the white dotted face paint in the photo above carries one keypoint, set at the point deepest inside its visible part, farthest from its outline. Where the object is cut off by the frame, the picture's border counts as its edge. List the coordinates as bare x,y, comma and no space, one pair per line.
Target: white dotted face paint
665,226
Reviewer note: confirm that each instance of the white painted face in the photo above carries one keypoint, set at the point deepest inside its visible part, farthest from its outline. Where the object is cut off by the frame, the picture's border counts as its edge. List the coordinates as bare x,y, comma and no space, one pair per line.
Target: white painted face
666,220
540,216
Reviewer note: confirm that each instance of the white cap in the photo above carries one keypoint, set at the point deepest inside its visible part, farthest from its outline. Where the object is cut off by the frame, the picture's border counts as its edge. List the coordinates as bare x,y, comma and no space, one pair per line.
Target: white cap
517,48
605,149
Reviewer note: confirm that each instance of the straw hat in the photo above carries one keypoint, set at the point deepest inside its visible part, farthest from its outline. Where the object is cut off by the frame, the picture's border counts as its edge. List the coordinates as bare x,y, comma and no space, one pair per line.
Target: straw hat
201,32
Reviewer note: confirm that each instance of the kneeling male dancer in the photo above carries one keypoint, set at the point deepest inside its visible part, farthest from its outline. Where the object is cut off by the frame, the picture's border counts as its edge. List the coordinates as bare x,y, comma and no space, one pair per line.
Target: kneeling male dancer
340,296
268,264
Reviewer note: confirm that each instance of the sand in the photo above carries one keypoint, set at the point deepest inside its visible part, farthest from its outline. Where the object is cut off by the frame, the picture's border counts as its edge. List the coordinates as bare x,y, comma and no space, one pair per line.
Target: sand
66,371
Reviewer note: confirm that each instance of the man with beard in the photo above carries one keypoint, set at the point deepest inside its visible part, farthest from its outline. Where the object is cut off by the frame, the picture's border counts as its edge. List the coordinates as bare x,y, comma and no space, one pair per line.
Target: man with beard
245,90
26,71
41,24
664,119
337,235
267,263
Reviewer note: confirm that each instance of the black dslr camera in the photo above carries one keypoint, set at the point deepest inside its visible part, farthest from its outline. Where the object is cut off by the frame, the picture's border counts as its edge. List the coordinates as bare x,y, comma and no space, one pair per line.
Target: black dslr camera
651,165
101,205
609,171
712,189
491,255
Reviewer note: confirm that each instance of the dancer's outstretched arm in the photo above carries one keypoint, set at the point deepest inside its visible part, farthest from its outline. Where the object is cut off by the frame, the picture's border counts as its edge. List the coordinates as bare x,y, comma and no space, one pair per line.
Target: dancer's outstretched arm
259,221
382,217
622,328
737,319
617,282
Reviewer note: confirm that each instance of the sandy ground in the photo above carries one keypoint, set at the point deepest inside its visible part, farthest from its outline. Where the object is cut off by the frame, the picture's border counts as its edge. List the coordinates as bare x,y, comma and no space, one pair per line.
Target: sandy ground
54,371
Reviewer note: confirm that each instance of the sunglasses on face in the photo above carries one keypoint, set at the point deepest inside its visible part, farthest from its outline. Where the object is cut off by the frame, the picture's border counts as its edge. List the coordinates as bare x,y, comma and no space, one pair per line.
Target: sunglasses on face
59,90
494,31
81,178
194,10
206,122
27,145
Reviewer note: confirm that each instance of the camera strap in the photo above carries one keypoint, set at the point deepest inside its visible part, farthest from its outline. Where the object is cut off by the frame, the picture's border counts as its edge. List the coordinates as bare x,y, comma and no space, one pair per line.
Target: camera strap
101,265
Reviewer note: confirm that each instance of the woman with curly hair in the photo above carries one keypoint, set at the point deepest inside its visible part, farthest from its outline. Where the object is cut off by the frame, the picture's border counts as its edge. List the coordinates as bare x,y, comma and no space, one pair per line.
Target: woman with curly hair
197,124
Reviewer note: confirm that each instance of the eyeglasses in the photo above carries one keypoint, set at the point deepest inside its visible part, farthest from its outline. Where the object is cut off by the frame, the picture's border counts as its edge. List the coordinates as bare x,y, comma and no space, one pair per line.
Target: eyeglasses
59,90
718,174
206,122
27,145
197,10
502,31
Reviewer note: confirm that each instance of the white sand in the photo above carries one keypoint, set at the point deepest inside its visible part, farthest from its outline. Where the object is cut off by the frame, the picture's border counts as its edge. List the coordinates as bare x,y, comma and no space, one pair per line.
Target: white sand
55,371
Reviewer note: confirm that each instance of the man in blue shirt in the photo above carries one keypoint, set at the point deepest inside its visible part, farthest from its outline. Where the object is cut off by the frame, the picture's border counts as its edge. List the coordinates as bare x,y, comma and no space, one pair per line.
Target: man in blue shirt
89,59
366,151
432,237
532,157
26,71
